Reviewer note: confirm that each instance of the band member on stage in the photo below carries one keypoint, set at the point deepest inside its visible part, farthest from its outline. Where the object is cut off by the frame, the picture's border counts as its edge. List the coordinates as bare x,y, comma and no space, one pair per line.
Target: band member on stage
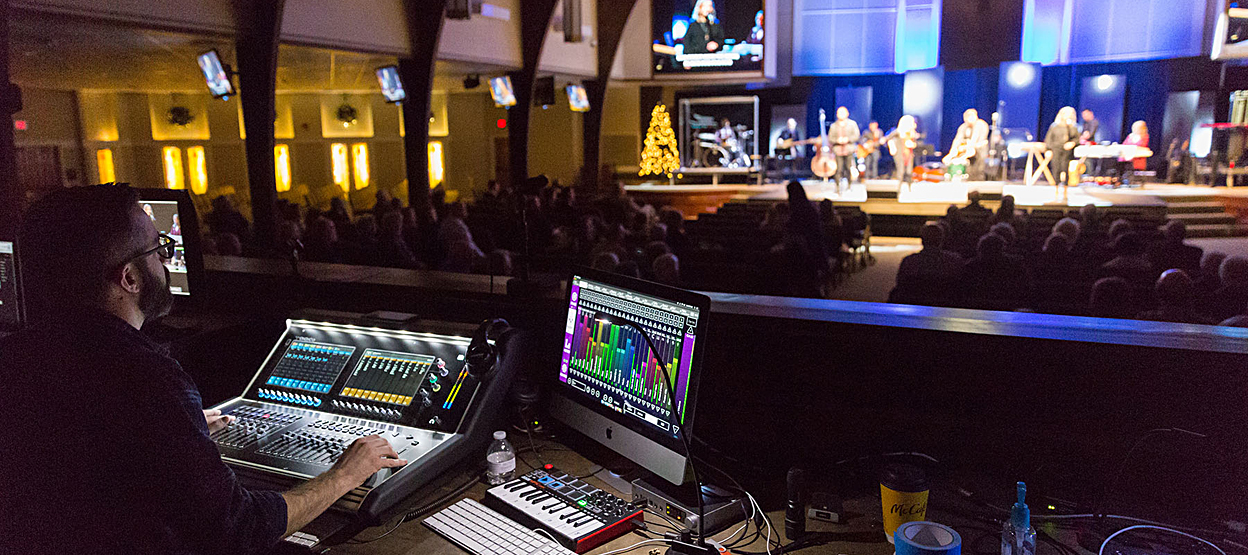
785,149
901,144
871,140
1138,137
844,134
705,34
1061,140
972,136
725,135
1088,130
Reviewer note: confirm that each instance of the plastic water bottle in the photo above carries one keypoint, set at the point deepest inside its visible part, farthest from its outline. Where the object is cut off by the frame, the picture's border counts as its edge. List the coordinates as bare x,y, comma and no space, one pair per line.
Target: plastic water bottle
500,460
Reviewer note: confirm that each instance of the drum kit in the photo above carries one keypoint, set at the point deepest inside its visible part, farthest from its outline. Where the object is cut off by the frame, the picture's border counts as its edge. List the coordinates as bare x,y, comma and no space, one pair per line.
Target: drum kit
730,153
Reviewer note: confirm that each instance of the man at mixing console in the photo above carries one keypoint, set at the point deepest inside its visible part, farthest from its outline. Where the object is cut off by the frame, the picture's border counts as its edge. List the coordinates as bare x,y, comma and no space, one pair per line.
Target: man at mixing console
104,444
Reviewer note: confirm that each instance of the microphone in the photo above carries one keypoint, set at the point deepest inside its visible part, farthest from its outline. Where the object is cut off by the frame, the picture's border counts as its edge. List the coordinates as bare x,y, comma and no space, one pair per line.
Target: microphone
795,510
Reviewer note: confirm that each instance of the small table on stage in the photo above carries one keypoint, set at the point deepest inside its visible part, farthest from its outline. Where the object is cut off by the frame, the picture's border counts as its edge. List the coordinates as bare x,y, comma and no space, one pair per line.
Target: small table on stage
1039,156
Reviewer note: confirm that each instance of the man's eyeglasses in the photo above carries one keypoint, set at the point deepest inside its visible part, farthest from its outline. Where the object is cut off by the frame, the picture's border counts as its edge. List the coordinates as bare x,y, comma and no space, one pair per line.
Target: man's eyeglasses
164,248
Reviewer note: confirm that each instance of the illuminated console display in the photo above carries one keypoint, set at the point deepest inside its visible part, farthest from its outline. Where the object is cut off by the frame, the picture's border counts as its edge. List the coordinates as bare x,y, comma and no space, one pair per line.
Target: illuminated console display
310,366
387,377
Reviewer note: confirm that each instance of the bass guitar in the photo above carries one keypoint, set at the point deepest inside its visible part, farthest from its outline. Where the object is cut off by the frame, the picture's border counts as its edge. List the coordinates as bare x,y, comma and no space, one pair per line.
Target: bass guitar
824,162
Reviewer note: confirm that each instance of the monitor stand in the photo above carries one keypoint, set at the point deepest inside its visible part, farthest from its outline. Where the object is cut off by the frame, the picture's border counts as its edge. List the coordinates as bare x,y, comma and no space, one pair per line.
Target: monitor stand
722,508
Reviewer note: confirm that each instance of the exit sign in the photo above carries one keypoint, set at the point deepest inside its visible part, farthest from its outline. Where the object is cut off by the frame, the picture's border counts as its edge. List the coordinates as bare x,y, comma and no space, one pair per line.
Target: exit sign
19,124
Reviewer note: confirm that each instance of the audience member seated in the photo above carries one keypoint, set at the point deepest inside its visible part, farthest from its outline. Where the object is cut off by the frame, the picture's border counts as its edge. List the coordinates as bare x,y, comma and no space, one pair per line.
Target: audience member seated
993,280
802,252
224,218
322,243
498,263
462,253
930,276
1237,321
1112,297
1130,263
1172,252
1176,301
1007,214
605,261
1229,299
629,268
392,250
666,269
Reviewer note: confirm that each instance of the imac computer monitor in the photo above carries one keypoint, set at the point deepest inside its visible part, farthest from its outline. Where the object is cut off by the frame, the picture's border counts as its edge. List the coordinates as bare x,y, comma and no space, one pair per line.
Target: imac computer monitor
218,78
391,85
500,88
609,386
10,295
173,214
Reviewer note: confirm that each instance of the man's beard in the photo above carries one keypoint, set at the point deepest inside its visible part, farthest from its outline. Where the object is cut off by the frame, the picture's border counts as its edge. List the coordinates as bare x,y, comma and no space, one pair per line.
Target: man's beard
155,300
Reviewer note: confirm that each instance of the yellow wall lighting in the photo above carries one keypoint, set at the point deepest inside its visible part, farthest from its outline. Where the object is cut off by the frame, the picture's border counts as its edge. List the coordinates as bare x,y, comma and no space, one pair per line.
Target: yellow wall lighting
338,152
199,169
437,171
281,167
104,162
359,155
173,167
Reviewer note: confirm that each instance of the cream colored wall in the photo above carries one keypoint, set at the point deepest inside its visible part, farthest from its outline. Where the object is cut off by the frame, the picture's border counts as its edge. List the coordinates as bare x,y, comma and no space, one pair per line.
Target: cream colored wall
621,124
469,147
49,117
571,58
364,25
632,57
483,39
555,140
188,15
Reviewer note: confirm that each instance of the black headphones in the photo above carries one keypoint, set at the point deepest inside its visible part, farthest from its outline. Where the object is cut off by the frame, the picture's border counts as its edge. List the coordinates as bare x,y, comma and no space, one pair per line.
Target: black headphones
483,350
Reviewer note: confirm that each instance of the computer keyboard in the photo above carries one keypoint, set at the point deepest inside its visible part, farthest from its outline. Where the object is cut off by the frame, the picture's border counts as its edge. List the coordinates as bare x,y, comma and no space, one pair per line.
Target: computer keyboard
482,531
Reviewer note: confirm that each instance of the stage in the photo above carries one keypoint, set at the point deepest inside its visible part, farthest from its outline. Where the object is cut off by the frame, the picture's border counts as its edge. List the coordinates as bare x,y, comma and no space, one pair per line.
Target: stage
1208,211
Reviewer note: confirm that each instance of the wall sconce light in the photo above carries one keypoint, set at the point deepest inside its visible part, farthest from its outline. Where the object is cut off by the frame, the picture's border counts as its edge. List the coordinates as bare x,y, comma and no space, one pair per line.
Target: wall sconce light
359,157
173,167
338,153
437,171
281,167
199,169
104,162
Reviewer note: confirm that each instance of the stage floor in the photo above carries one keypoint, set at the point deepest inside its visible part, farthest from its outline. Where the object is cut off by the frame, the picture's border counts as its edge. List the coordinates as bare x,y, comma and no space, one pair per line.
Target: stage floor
886,191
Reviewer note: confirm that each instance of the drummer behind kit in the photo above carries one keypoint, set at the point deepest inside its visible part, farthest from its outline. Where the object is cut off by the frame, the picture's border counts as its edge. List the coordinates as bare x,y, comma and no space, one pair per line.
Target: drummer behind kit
714,152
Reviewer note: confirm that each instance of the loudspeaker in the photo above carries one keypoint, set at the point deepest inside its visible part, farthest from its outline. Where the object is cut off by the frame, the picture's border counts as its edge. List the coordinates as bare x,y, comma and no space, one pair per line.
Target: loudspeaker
458,9
544,91
572,21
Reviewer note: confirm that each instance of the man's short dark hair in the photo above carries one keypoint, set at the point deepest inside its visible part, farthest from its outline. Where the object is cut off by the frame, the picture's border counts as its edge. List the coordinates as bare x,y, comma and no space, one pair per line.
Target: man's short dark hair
71,239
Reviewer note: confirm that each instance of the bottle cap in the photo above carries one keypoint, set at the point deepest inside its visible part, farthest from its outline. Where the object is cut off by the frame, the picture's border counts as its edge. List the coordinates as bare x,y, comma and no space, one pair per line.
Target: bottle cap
1020,515
500,435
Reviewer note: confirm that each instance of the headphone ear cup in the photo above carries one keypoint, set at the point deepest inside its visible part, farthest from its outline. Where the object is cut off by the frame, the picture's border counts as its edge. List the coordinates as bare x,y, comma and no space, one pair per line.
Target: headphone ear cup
482,352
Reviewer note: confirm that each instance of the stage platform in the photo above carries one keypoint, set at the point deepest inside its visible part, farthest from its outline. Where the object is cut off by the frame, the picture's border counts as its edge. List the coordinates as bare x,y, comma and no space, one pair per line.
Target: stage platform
1208,211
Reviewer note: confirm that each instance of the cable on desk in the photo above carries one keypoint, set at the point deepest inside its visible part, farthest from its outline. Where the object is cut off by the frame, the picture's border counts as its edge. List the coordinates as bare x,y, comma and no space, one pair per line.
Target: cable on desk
1101,551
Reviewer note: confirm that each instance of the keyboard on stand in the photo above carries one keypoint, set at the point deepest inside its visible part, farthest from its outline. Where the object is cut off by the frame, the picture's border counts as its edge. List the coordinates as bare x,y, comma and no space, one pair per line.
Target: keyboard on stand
577,514
482,531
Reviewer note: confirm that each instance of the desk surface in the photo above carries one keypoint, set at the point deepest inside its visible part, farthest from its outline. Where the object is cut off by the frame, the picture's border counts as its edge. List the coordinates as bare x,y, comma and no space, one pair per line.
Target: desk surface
413,537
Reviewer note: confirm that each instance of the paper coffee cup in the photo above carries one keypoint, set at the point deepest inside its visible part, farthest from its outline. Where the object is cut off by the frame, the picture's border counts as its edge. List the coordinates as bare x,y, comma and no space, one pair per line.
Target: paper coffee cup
903,496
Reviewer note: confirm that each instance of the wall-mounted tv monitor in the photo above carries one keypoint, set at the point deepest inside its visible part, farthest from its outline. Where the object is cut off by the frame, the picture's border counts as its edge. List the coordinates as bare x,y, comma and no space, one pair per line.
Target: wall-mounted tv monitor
577,98
218,78
391,85
501,90
707,36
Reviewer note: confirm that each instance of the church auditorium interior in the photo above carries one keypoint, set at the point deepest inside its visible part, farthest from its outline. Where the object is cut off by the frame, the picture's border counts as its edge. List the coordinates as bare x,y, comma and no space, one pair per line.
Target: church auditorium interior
699,277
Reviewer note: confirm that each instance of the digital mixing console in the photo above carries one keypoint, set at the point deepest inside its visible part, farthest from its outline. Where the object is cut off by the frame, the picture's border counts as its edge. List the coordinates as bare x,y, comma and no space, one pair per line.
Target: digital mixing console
325,385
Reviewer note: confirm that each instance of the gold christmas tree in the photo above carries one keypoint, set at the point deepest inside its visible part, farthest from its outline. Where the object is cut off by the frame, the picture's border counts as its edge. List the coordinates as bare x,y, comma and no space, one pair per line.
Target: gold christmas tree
660,157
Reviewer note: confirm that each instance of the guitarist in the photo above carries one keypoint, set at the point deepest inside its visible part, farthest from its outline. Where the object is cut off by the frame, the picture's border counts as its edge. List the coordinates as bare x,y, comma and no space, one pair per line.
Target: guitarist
787,146
844,134
870,144
971,141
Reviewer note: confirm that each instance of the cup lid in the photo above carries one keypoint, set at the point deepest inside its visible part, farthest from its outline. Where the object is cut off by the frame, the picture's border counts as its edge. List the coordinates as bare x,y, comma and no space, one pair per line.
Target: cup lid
903,477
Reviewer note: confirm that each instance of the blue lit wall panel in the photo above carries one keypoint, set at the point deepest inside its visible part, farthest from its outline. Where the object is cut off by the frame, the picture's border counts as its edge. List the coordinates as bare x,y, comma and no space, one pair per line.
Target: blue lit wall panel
1042,30
1105,96
923,98
858,37
1082,31
857,100
1018,95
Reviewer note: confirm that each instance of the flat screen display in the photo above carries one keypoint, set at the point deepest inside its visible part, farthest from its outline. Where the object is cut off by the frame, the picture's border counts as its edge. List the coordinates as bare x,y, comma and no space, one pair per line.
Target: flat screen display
609,363
10,310
391,85
164,215
500,89
707,36
214,73
578,100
